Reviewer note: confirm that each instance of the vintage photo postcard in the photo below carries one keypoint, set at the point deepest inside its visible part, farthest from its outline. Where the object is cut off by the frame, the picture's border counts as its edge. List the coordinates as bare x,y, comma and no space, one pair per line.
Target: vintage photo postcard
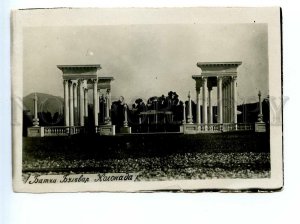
144,99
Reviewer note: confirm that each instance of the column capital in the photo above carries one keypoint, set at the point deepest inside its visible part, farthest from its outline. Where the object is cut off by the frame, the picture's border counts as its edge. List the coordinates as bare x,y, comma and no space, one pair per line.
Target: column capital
66,81
80,81
70,83
233,78
94,81
226,80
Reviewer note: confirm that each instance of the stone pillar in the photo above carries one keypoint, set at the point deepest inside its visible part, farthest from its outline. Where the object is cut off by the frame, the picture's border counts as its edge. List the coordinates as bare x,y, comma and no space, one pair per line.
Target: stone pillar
71,103
81,104
75,103
223,102
210,108
95,99
204,104
78,102
35,119
229,101
108,121
86,103
98,104
220,100
260,125
260,115
198,118
226,101
234,101
190,115
125,116
66,101
183,120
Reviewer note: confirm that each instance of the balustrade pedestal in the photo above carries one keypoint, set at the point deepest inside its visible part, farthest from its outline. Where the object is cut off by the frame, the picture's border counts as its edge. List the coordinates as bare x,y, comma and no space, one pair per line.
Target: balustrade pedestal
189,128
35,132
106,129
125,130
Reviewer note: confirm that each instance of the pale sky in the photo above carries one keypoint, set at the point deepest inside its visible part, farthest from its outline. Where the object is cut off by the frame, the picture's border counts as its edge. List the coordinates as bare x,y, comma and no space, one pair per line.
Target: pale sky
147,60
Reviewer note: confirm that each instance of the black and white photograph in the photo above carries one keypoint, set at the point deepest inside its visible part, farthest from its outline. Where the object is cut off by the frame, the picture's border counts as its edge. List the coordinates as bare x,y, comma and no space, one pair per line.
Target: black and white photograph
161,100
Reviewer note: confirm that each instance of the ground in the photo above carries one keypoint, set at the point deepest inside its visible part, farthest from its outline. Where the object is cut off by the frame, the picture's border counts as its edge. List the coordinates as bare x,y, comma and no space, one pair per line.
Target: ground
153,156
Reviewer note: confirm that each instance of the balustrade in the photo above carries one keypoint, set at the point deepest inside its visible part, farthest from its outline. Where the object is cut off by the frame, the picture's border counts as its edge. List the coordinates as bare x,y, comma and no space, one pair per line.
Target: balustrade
62,131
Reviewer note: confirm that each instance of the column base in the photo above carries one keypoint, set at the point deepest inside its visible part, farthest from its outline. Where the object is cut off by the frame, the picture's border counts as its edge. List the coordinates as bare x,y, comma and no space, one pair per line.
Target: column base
125,130
107,129
260,127
35,132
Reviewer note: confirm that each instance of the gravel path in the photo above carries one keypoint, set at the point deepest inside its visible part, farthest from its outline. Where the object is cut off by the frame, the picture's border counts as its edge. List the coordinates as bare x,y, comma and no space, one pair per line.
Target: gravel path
175,166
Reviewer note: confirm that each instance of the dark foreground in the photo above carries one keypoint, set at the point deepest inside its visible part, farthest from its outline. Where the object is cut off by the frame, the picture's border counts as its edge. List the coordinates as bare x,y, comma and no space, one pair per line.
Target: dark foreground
153,156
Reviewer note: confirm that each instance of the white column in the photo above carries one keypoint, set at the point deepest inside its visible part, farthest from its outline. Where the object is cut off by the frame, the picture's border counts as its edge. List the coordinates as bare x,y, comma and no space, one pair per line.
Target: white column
226,102
75,103
229,101
204,104
183,120
210,108
190,115
125,116
66,101
223,102
86,103
232,110
35,106
35,119
71,103
198,118
98,104
220,100
95,98
234,83
78,103
81,98
108,121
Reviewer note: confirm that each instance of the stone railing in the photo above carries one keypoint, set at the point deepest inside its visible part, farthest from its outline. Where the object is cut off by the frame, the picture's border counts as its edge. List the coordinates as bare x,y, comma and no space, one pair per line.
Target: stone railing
210,127
216,127
110,130
62,130
245,127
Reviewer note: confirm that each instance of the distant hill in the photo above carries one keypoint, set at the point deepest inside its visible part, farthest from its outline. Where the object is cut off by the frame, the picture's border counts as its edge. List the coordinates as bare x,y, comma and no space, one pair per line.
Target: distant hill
46,103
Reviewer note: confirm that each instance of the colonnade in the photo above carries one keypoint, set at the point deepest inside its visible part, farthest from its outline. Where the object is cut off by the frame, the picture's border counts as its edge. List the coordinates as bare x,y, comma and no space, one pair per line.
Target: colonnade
222,75
76,102
226,99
